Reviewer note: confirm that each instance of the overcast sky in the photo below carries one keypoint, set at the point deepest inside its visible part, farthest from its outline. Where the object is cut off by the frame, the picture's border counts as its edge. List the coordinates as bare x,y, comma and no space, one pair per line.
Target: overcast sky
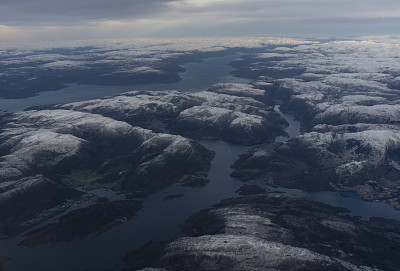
22,20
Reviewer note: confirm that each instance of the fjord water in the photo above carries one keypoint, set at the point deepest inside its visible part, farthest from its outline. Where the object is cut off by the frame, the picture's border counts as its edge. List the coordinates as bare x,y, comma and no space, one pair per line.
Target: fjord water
348,200
293,128
159,218
197,76
157,221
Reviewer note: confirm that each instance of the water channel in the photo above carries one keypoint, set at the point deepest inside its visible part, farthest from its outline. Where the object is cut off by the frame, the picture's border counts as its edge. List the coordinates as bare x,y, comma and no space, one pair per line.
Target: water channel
158,219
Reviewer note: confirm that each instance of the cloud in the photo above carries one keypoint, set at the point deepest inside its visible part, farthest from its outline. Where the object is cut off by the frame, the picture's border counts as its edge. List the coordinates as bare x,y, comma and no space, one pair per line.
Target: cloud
8,33
292,9
58,12
61,12
132,18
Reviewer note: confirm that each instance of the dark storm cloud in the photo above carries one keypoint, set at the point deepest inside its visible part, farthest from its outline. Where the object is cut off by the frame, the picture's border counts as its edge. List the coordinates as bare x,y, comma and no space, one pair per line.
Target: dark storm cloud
61,12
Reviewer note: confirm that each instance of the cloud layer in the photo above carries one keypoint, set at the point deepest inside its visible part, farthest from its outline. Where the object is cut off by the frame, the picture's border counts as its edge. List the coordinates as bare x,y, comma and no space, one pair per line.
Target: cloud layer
60,12
122,18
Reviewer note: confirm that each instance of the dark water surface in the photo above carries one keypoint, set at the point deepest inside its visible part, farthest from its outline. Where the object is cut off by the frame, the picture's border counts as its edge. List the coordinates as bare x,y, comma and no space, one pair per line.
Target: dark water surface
159,219
198,76
348,200
292,130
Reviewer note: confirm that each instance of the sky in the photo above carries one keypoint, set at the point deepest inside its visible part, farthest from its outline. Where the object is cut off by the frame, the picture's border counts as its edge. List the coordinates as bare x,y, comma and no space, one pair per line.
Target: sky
36,20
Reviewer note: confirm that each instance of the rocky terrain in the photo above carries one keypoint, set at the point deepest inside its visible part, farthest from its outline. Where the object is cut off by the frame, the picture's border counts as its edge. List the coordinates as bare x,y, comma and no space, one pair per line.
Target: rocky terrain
346,96
277,232
236,117
30,200
108,143
337,82
45,154
63,143
250,189
30,68
362,158
344,93
83,223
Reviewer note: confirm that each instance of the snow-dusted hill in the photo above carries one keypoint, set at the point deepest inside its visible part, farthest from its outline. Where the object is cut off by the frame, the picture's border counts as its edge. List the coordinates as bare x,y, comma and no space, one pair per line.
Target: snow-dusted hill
271,232
57,150
237,117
